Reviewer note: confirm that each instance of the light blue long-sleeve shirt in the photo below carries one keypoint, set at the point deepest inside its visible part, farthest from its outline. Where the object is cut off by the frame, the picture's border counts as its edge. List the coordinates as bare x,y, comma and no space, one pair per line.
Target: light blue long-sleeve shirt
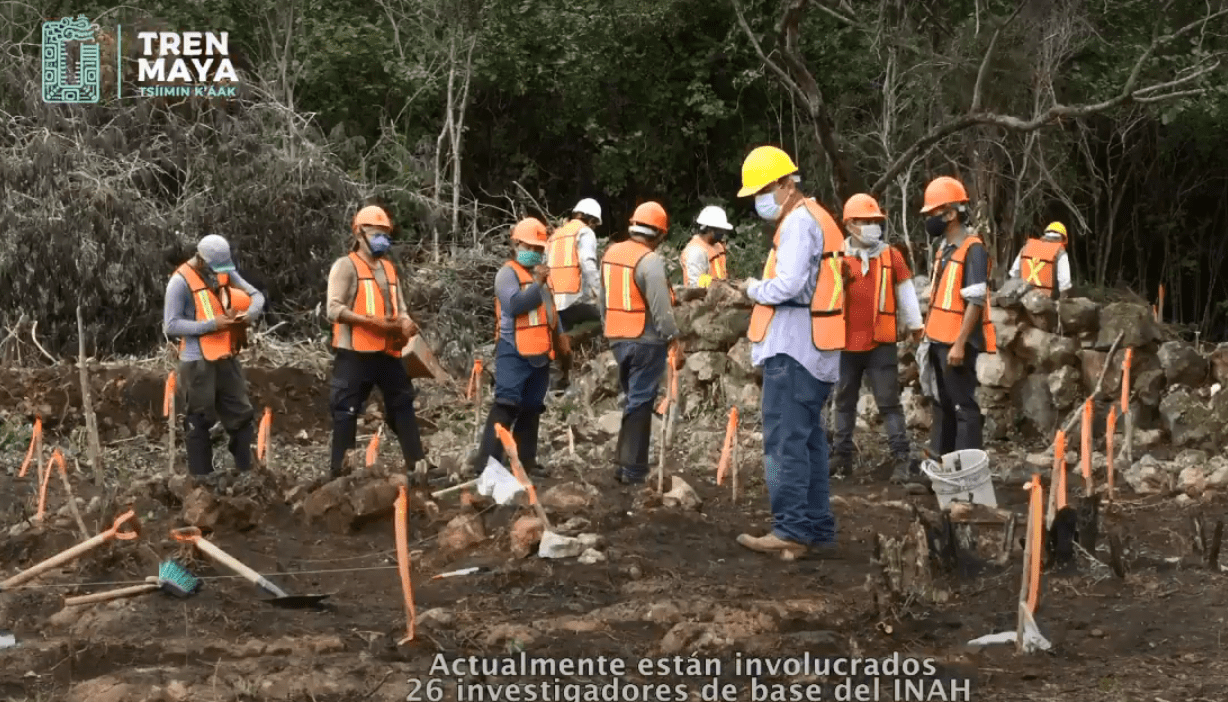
797,269
179,313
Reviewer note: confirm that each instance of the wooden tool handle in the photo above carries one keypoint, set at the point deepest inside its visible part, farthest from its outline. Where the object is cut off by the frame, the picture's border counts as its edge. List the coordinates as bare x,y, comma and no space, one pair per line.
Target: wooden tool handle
227,560
57,560
111,594
455,488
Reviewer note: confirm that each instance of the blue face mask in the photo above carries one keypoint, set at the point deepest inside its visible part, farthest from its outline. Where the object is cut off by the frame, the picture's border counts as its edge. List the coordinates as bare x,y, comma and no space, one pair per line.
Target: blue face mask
379,245
766,206
528,259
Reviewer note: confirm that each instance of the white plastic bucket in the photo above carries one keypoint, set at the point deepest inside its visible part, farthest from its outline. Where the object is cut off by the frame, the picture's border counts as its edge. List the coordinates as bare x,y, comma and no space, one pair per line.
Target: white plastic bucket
972,483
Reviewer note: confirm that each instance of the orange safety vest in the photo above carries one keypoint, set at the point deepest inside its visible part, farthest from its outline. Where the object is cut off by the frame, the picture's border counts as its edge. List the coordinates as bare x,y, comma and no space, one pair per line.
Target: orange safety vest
534,329
883,275
369,300
209,305
716,254
626,312
827,330
563,258
946,315
1038,264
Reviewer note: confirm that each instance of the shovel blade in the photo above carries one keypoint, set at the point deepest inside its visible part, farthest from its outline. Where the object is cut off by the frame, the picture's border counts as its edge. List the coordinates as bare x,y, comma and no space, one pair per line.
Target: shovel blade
298,601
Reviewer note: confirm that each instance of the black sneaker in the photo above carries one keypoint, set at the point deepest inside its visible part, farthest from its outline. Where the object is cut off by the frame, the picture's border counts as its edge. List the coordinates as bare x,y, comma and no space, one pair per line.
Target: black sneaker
622,475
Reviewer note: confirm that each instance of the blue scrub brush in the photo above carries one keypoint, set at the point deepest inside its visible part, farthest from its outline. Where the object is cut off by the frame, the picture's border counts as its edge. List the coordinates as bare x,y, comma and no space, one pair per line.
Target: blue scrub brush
174,579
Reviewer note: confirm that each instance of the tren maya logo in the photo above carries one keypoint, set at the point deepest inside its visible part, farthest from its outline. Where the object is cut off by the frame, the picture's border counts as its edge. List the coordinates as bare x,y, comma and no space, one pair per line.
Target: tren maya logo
170,64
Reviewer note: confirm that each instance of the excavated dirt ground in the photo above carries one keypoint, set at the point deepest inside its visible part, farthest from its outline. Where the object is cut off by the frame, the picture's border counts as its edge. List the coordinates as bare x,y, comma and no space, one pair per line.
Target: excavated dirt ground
675,583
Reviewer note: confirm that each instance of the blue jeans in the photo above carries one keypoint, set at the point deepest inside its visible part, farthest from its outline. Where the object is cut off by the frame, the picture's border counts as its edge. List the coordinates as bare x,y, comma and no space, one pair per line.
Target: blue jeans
795,452
640,367
519,383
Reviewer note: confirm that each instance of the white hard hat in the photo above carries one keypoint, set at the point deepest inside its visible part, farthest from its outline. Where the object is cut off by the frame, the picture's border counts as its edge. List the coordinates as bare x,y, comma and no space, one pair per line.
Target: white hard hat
713,216
588,206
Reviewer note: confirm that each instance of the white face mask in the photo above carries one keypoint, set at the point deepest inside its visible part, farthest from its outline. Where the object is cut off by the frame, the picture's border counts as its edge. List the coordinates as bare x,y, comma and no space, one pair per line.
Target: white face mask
767,207
870,233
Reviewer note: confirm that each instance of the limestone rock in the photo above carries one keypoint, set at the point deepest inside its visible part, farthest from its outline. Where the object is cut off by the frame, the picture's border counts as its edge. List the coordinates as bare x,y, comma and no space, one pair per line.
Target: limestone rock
1005,324
1065,387
569,497
1010,295
681,494
1078,315
1148,387
1092,362
1035,402
1041,309
999,370
1188,421
462,533
1148,477
1219,364
1047,351
706,365
1135,320
526,535
1182,364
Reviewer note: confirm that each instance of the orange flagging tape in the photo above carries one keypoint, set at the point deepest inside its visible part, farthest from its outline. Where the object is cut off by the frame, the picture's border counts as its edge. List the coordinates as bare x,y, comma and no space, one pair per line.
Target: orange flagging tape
1036,518
1059,464
1085,446
262,436
36,439
1110,427
373,450
168,395
475,380
407,586
731,434
513,457
1159,308
1125,380
56,460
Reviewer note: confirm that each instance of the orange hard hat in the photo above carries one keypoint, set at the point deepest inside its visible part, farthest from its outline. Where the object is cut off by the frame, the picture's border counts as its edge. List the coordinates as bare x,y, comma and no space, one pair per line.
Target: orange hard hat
651,214
371,216
862,206
531,231
943,190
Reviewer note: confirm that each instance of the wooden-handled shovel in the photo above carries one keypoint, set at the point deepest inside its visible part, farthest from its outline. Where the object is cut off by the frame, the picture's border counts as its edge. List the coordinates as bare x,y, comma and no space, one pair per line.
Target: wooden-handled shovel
279,599
79,550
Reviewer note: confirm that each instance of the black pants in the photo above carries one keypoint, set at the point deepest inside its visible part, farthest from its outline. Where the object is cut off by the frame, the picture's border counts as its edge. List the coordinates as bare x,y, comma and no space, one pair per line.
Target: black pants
355,374
215,389
957,416
880,367
577,314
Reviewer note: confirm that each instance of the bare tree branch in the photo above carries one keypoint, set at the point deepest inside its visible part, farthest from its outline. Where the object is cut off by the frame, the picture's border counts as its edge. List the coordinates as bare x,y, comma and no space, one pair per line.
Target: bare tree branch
1128,93
984,69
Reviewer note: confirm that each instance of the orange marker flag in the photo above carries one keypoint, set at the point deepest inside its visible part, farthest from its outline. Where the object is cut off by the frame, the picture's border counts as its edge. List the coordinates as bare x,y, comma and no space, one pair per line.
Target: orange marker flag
1125,380
56,460
1110,427
373,449
1159,307
513,457
731,434
168,395
1034,542
262,436
407,586
1057,482
1085,448
36,441
475,380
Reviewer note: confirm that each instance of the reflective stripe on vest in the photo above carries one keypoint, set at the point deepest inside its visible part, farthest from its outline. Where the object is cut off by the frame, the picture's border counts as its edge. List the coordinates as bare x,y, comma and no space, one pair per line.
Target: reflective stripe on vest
946,314
827,330
532,330
1038,264
563,258
885,301
369,300
626,313
219,344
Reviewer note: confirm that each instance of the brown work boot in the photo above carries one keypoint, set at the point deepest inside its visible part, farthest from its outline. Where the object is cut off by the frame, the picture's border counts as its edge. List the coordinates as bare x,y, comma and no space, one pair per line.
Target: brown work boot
771,543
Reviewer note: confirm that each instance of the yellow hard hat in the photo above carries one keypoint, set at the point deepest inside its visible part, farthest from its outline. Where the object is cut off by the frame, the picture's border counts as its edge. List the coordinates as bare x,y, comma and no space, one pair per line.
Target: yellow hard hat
1057,228
764,166
704,281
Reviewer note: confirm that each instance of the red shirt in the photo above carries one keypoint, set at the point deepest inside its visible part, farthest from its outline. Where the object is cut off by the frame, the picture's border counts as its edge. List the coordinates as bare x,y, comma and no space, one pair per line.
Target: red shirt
859,305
